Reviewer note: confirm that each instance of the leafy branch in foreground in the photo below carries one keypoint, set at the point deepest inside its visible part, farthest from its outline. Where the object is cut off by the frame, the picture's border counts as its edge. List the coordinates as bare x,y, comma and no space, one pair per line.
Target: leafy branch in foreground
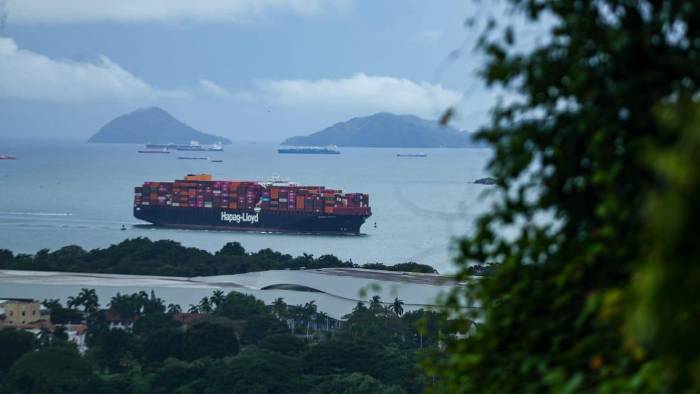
602,132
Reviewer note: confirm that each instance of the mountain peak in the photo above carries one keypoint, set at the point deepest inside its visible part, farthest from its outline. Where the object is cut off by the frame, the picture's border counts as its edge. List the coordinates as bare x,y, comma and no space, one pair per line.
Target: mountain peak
151,125
386,130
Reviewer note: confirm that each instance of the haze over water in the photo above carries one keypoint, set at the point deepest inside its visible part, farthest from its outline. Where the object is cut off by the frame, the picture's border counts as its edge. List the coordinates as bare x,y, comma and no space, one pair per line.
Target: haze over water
58,194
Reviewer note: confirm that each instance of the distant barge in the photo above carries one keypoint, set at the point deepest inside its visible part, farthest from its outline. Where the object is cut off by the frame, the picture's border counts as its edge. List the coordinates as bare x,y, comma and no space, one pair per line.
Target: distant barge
162,151
329,150
411,155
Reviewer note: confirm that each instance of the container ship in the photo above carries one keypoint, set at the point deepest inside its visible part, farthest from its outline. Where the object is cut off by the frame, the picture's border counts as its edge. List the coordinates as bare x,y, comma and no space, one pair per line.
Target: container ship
329,150
199,202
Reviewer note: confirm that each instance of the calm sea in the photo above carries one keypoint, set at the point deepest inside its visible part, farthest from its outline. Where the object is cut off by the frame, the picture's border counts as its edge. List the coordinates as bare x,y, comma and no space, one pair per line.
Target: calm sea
77,193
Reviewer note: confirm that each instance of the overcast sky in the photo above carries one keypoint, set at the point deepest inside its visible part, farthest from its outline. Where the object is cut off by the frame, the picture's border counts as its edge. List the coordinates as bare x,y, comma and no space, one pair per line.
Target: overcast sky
249,70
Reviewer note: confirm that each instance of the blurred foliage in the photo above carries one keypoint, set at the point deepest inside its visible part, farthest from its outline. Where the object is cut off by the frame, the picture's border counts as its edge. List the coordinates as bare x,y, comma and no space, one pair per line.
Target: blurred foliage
596,159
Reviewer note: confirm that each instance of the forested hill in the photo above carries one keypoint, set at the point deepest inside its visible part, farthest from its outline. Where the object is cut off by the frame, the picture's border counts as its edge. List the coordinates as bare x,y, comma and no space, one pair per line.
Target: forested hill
153,125
385,130
141,256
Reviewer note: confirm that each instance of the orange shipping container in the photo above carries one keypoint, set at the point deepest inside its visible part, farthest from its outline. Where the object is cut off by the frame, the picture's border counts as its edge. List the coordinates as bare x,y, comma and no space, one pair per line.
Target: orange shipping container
275,193
198,177
300,202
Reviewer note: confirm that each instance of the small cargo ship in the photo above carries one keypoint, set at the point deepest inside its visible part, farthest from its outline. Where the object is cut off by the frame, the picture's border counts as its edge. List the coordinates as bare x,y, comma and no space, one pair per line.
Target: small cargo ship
161,146
311,150
199,202
191,158
412,154
6,157
163,151
193,146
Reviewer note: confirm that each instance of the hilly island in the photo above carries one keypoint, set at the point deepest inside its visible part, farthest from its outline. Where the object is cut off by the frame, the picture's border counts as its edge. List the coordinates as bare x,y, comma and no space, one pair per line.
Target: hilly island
151,125
386,130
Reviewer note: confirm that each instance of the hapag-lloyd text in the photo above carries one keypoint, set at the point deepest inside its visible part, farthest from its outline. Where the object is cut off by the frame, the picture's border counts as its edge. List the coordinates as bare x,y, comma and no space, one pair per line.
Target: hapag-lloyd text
239,217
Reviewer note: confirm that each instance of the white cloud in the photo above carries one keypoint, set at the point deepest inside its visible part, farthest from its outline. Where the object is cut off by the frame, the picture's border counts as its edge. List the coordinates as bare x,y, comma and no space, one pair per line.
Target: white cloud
213,89
359,93
70,11
32,76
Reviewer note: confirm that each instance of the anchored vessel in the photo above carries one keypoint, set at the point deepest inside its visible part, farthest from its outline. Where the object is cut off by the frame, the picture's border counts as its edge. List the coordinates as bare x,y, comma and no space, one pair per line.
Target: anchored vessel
421,154
199,202
311,150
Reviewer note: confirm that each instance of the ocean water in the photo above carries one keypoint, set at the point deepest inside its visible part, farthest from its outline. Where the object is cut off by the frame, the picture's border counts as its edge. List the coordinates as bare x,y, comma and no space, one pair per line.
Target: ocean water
58,194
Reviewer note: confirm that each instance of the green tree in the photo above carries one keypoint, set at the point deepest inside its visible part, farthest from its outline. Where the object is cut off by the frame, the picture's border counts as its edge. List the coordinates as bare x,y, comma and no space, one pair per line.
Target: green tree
375,304
127,305
238,306
309,312
59,334
153,305
345,356
61,315
217,298
214,338
87,298
14,343
258,327
375,324
174,309
397,306
279,308
204,305
176,376
354,383
286,344
573,156
113,351
53,369
232,249
255,371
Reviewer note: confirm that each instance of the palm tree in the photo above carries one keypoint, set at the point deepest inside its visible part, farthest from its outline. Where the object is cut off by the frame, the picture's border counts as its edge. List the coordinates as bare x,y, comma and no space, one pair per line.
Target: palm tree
217,298
193,309
309,311
323,316
173,309
359,307
73,302
295,312
126,305
279,307
204,305
375,305
51,304
397,306
87,298
90,300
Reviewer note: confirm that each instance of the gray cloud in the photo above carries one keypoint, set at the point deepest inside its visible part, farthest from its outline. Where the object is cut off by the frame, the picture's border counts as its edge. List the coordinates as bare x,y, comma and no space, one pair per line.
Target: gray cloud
359,93
27,75
77,11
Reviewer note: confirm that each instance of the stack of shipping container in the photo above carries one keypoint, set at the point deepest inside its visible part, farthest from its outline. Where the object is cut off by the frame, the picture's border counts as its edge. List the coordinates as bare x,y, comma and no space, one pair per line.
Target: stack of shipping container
200,191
